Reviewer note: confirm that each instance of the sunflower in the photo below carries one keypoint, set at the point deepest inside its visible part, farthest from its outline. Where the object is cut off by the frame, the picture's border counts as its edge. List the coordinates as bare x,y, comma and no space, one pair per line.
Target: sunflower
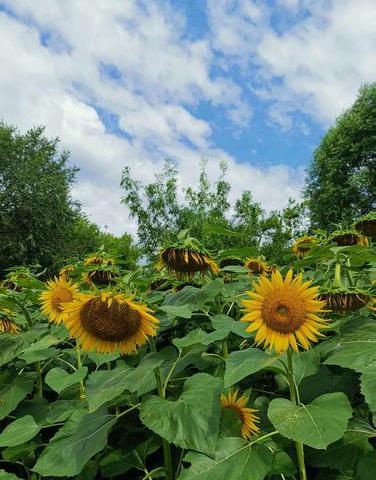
284,311
108,322
185,262
59,291
246,415
6,324
230,261
67,270
344,301
257,266
303,245
367,224
98,276
348,237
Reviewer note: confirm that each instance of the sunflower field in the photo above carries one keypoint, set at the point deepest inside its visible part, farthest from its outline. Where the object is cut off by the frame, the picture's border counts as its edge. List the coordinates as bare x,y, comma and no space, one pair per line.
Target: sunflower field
201,365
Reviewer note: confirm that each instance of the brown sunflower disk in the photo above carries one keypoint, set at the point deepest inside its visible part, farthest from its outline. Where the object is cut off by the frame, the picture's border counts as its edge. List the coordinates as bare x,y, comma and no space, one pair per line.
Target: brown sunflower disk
227,262
346,240
115,323
367,227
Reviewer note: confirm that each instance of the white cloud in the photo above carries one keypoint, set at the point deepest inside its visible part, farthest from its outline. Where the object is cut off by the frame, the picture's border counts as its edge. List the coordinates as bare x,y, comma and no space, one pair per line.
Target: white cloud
54,58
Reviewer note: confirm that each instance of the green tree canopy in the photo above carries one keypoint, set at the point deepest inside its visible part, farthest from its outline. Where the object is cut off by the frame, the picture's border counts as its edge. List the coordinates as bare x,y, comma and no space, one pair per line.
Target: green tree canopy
341,182
37,211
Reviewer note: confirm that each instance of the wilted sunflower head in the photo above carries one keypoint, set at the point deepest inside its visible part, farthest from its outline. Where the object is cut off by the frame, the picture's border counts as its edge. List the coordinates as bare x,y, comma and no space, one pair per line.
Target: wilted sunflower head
367,224
6,322
230,261
108,322
348,237
102,273
283,312
343,300
67,270
303,245
257,266
246,415
59,291
184,262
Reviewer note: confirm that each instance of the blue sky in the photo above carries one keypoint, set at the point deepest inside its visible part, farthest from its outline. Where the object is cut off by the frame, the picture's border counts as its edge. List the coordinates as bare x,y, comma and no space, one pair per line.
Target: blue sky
255,83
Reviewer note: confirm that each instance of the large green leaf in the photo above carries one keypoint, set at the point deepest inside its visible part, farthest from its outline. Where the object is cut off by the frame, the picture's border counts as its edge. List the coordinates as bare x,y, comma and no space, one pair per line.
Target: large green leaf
74,444
235,459
12,345
317,424
368,385
19,431
355,349
192,421
8,476
245,362
13,389
59,379
105,385
198,337
367,467
223,322
41,350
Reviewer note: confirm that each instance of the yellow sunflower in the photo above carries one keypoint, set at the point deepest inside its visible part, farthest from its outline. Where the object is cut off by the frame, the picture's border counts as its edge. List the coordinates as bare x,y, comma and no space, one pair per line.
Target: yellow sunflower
59,291
6,324
98,276
247,415
303,245
257,266
185,262
284,312
108,322
67,270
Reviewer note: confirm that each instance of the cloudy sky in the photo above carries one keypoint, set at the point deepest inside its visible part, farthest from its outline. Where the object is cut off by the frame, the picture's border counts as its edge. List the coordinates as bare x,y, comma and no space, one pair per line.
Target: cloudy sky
130,82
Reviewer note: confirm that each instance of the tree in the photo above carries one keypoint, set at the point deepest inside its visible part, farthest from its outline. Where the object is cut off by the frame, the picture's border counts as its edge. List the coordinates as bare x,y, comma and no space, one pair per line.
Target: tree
341,182
37,212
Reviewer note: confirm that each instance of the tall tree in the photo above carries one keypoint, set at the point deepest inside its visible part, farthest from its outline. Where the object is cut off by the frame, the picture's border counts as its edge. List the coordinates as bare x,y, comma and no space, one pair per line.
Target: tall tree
37,212
341,182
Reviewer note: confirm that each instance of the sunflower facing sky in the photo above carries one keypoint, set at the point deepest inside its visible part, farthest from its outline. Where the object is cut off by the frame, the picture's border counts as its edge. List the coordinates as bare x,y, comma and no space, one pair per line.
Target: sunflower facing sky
284,312
59,291
246,415
108,322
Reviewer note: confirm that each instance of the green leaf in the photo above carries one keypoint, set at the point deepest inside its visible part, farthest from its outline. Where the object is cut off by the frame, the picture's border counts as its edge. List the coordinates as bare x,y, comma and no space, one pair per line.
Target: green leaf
8,476
345,452
59,379
14,389
105,385
223,322
221,231
41,350
142,379
235,269
198,337
242,363
283,464
368,385
19,431
235,459
367,467
355,349
183,311
74,444
192,421
12,345
61,410
317,424
305,364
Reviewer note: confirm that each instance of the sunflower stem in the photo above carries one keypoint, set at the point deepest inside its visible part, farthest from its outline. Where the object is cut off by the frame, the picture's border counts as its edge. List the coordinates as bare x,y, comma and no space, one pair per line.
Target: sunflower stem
161,393
79,365
294,396
337,276
348,273
224,349
39,380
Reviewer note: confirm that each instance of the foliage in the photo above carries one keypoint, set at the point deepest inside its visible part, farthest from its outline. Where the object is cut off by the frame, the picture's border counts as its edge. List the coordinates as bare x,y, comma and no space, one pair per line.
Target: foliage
341,183
64,414
36,209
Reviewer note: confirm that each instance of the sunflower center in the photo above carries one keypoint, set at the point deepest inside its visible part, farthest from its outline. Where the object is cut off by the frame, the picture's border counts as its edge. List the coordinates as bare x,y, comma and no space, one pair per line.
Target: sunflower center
283,311
60,296
114,323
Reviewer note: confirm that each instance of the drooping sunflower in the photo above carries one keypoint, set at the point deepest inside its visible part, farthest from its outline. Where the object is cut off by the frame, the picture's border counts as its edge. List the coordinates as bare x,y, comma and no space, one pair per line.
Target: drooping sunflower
6,323
59,291
303,245
367,224
67,270
184,262
258,266
230,261
344,300
283,312
108,322
246,415
101,274
348,237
